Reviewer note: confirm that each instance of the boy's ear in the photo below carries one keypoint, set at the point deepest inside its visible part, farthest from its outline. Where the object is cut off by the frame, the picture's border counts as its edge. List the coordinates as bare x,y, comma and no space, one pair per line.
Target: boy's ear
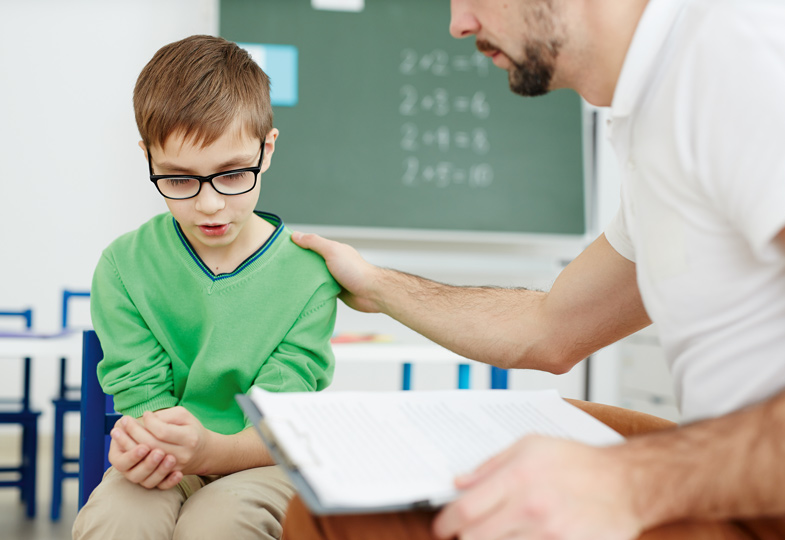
144,149
269,148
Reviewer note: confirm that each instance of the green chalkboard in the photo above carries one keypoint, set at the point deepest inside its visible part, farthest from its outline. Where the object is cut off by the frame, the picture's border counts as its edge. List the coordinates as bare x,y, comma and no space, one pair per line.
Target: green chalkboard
399,125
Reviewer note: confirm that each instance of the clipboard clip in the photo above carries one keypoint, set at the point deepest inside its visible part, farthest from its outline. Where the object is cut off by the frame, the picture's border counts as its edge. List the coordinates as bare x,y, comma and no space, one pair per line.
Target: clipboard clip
279,452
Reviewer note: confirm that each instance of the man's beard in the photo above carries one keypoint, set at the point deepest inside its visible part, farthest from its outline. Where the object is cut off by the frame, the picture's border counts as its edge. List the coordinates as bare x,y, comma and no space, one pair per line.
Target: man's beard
532,77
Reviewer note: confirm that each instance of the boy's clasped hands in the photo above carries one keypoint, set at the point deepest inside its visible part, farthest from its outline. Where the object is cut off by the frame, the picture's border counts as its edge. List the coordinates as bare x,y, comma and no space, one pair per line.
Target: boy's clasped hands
157,449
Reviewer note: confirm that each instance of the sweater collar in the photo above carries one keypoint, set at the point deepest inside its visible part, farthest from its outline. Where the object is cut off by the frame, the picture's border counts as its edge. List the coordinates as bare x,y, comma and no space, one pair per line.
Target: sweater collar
271,218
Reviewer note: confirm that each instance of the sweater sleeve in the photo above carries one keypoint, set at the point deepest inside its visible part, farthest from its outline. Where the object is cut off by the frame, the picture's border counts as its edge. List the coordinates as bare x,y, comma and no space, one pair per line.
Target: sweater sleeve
135,368
304,361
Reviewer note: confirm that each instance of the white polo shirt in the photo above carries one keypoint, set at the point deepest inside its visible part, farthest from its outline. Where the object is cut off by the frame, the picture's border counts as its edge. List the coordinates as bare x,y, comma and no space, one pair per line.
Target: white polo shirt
698,124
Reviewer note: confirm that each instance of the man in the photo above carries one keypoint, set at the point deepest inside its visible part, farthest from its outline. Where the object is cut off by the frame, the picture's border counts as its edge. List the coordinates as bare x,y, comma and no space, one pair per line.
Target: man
698,246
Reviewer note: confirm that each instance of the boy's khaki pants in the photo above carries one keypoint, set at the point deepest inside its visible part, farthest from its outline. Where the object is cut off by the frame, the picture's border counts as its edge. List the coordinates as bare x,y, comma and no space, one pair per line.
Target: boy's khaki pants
302,525
246,504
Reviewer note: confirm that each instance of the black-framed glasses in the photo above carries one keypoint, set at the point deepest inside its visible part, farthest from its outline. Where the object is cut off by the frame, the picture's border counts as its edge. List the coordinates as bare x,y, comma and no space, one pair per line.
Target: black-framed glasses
187,186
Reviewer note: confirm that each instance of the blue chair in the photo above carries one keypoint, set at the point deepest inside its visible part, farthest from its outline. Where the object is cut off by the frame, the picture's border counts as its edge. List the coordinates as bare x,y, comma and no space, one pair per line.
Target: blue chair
98,418
17,410
66,401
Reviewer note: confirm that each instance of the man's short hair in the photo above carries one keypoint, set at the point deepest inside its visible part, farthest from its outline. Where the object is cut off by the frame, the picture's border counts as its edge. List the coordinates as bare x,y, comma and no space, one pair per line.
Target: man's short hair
200,87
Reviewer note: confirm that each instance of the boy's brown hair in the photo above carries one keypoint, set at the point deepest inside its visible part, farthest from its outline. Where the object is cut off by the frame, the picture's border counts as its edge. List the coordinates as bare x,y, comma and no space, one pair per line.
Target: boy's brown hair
199,87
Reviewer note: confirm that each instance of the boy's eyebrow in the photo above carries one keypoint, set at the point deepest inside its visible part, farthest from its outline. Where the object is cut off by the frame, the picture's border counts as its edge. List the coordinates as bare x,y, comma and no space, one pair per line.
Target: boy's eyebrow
233,163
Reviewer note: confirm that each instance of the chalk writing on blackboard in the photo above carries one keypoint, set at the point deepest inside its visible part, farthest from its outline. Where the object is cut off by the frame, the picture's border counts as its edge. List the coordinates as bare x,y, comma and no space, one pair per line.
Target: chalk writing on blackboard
417,103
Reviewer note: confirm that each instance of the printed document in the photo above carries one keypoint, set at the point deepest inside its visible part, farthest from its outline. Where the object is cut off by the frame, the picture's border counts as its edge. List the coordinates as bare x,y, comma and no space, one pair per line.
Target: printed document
377,450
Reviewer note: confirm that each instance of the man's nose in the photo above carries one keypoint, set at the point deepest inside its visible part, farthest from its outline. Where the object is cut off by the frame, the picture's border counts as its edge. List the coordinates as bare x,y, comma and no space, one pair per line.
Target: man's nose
462,22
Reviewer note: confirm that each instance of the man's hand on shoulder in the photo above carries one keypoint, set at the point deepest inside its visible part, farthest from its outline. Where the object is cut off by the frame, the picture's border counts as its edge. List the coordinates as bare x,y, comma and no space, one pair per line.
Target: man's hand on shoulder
543,488
357,276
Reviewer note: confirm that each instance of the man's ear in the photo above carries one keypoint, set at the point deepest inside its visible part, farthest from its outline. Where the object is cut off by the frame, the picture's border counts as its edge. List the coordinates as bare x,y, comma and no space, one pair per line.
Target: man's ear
269,148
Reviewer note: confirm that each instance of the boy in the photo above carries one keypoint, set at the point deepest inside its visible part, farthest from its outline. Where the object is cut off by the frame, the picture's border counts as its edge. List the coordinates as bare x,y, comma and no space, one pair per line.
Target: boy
201,303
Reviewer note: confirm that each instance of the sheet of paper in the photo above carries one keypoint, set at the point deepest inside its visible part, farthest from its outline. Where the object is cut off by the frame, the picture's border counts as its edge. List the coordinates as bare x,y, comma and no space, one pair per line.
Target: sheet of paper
375,449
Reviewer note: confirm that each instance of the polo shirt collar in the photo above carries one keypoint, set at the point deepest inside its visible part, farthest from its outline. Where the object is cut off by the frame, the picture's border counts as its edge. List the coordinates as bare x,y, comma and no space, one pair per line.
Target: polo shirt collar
656,23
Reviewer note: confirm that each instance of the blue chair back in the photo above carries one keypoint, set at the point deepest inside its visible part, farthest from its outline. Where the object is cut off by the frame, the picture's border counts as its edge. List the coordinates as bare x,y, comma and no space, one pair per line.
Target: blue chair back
67,295
97,419
24,400
16,410
65,391
65,402
26,315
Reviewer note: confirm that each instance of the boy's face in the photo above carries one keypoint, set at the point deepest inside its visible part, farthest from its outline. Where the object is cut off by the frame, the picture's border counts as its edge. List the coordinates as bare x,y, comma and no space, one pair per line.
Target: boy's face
213,222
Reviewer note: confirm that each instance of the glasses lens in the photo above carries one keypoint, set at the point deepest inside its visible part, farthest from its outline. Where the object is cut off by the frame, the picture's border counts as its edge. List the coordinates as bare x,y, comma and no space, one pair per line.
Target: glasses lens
178,188
234,183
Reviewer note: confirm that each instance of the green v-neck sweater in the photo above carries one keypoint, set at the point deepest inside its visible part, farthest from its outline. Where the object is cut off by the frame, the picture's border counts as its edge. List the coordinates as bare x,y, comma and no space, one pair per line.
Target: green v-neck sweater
174,334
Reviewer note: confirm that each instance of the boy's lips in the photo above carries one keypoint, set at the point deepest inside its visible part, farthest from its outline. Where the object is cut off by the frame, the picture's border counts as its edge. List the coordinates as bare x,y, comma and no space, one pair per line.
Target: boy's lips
214,229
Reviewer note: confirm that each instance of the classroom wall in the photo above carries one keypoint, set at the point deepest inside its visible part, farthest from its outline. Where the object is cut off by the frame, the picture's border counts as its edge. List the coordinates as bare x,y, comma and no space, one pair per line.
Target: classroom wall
73,178
71,175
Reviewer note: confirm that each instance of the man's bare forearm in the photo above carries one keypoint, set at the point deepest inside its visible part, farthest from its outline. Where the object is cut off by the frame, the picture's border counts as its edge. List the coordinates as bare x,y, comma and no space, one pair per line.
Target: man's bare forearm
494,325
729,467
593,303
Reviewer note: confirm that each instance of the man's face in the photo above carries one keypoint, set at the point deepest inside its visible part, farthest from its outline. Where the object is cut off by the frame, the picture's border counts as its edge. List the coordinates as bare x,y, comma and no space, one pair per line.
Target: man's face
523,37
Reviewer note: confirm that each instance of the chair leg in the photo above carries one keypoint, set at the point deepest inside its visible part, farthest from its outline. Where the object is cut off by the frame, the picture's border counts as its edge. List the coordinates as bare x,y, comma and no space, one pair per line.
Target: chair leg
57,463
29,467
24,451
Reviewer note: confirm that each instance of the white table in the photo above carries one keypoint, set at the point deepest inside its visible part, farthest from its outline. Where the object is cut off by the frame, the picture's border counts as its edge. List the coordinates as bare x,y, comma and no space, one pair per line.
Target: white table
409,354
22,344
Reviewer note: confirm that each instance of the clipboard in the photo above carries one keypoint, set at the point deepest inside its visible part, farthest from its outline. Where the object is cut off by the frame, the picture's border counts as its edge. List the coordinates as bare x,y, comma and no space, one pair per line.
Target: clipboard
301,484
411,444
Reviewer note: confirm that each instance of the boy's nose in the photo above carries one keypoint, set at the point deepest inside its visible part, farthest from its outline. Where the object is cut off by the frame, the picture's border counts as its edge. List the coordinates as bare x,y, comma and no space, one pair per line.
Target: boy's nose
209,201
462,22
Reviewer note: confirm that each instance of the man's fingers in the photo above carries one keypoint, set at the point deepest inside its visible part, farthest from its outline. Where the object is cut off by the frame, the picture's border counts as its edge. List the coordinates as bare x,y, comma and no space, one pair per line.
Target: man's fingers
471,507
466,481
486,492
353,273
502,523
311,241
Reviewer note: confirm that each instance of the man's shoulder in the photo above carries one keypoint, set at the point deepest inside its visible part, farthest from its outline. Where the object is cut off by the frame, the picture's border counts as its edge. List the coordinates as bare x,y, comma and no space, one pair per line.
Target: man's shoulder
727,21
727,50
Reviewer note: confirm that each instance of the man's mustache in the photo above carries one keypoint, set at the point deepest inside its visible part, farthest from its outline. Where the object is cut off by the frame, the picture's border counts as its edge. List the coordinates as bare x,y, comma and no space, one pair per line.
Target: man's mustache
485,46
